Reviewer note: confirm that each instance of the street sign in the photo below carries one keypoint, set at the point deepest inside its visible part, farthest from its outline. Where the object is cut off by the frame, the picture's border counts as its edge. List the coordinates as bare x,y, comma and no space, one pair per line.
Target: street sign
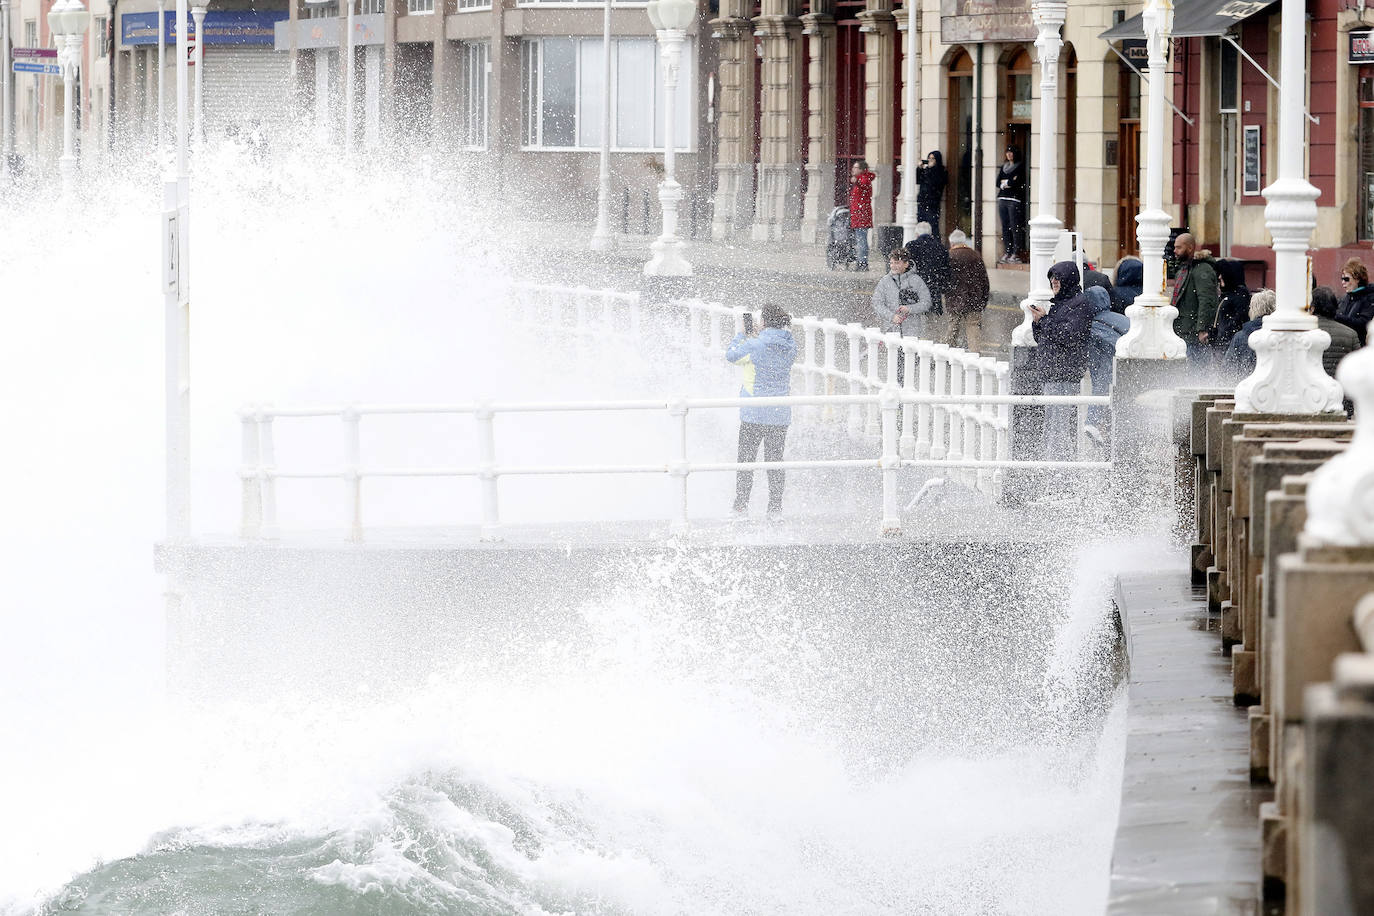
25,66
33,53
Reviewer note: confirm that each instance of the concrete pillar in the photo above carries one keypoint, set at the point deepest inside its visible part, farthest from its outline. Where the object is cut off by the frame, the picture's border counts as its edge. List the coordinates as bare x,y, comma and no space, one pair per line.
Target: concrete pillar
443,88
778,207
880,104
734,205
819,27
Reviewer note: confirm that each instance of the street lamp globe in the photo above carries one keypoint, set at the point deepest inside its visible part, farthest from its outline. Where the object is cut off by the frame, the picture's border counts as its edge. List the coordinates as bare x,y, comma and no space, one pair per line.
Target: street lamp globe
67,18
672,14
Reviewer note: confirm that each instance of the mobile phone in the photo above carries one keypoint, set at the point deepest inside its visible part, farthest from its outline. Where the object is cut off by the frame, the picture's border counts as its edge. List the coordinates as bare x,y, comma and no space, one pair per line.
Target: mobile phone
748,322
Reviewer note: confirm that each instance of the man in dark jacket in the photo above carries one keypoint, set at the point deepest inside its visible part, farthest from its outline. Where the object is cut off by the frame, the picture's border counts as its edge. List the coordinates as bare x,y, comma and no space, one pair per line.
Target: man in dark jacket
967,296
1062,337
1233,309
1357,308
1344,340
1195,296
931,263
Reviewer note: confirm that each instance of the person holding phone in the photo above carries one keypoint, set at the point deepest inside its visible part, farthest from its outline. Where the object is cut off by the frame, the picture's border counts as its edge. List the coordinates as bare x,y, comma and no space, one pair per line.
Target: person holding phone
766,356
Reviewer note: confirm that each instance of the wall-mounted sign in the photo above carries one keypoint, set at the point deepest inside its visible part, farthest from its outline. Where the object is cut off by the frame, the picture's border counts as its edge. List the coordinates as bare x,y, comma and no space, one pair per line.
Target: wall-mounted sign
1362,47
1250,161
973,21
1137,51
1109,154
222,27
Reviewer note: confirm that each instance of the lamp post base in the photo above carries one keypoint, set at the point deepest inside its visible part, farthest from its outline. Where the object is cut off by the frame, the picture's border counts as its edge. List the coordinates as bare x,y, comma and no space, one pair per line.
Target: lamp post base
667,260
1288,376
1151,335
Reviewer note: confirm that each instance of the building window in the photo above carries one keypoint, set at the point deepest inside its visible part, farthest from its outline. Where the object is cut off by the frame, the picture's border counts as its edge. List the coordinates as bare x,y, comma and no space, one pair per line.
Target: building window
419,6
99,37
322,10
562,94
581,2
371,7
473,66
474,4
30,33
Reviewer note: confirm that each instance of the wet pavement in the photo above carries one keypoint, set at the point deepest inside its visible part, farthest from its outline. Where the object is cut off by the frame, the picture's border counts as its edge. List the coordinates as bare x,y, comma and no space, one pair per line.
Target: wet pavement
1188,840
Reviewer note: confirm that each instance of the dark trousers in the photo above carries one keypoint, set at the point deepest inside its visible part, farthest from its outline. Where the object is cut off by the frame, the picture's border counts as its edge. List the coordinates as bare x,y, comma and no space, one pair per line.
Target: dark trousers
1010,212
772,438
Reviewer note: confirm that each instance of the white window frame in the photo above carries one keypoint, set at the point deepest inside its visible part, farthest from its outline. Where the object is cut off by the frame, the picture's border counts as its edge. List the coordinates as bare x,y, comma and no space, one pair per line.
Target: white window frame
474,65
472,6
322,10
420,7
31,33
99,34
371,7
531,53
581,4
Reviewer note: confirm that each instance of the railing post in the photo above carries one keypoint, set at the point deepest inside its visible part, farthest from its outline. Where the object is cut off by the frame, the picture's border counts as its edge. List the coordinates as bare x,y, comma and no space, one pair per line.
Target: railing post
907,444
939,414
608,310
811,369
634,304
972,411
854,378
828,371
873,339
486,474
889,402
268,448
251,474
353,481
956,417
923,386
677,465
987,425
716,325
694,332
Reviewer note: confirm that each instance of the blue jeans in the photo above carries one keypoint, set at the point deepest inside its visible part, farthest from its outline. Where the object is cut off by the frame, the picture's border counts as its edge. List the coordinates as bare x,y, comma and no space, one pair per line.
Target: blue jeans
860,245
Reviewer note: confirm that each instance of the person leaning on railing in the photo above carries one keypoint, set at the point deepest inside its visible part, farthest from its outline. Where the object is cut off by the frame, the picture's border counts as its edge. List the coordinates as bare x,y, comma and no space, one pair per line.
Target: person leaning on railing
766,356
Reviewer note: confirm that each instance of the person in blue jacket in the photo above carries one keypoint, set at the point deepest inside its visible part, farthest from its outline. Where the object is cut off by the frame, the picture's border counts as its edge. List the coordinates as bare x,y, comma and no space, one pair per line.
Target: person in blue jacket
766,358
1106,329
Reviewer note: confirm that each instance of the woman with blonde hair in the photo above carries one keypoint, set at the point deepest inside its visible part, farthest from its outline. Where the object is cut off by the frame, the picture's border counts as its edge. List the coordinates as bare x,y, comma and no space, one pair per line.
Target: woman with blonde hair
1239,356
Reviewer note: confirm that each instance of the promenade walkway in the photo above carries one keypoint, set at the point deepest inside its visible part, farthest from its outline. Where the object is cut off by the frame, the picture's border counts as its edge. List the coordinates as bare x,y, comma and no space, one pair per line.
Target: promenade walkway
1188,839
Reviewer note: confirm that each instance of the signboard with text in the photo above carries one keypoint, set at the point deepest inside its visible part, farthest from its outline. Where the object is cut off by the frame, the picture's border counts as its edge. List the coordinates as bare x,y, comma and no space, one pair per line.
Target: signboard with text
973,21
36,66
222,27
1362,47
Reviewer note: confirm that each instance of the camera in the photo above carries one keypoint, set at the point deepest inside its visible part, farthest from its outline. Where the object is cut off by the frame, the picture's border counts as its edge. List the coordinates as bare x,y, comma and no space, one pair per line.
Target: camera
748,322
908,297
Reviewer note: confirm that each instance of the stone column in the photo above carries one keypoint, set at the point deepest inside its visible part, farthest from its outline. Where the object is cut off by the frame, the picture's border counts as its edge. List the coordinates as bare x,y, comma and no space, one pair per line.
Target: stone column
734,205
911,116
1044,228
880,102
819,27
1288,376
779,195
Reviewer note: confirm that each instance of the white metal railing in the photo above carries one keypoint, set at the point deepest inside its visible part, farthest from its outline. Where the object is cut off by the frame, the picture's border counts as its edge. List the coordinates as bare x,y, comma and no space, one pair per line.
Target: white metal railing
260,474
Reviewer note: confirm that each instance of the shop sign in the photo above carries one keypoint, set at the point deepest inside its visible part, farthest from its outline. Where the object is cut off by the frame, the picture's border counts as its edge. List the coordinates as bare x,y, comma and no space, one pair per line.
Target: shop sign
222,27
974,21
1250,161
1362,47
1137,51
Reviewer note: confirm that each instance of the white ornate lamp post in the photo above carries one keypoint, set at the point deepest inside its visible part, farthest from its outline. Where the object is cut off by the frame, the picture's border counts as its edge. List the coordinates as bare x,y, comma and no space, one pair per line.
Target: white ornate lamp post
68,20
911,120
348,77
1288,376
1340,498
1152,317
670,19
1044,228
6,109
161,69
198,10
602,240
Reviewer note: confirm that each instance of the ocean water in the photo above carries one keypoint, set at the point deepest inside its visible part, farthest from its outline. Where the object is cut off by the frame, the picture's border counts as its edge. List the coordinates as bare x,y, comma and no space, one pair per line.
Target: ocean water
690,750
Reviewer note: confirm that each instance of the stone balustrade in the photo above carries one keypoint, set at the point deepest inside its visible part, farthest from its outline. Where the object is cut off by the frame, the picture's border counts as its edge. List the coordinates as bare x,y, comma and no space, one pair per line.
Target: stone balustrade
1293,605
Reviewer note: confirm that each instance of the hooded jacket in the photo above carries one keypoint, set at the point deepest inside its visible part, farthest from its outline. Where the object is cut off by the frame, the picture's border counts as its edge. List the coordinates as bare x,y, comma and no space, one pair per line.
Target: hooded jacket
1233,308
1130,282
887,297
930,185
767,363
861,201
1062,337
930,260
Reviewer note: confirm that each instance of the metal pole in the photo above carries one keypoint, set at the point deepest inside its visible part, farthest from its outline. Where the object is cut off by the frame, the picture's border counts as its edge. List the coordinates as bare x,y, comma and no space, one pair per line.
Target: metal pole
1151,335
199,13
6,91
1288,376
667,260
348,78
911,121
67,164
1044,228
182,40
161,69
602,240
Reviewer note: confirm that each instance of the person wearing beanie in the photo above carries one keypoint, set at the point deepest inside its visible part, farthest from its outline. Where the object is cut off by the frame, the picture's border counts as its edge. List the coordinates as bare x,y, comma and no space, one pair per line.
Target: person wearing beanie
968,294
766,356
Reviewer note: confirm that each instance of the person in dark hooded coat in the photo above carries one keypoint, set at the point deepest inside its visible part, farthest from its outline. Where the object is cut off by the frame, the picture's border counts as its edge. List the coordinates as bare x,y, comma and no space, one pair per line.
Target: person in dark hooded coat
1130,282
931,262
1062,336
1233,309
931,179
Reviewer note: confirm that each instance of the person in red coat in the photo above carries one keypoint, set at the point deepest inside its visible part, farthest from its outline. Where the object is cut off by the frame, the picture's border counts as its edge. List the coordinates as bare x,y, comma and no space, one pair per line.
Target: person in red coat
861,209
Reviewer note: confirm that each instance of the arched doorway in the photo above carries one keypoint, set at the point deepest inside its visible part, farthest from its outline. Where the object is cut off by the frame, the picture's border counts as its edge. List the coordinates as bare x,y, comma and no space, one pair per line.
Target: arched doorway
1127,160
849,94
1015,107
959,143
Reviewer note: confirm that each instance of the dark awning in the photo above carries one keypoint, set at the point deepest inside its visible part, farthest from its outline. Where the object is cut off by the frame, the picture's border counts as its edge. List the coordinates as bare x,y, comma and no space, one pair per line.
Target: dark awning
1194,19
